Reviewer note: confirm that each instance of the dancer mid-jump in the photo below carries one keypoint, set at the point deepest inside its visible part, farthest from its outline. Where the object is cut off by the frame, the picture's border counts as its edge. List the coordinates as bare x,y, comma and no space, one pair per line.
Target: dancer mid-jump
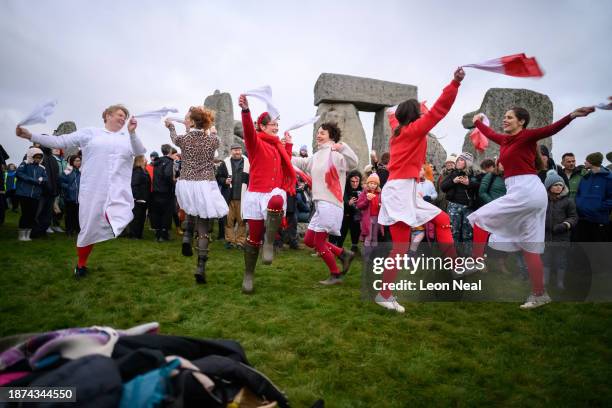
402,207
105,194
517,220
271,177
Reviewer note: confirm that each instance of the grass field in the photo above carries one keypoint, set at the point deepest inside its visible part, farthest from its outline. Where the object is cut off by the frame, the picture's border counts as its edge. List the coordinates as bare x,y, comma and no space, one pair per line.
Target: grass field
312,341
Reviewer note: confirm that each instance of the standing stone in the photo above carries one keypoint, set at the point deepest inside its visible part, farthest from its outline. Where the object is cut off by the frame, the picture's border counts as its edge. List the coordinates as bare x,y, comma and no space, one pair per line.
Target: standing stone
436,154
65,128
346,116
221,103
382,132
496,102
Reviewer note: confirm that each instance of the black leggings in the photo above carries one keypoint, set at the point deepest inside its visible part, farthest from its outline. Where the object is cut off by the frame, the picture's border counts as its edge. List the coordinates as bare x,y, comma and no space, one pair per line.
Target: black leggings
29,207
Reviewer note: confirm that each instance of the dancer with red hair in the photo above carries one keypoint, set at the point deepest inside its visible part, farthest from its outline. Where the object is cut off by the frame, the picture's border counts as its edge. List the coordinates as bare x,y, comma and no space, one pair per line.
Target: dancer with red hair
271,177
402,208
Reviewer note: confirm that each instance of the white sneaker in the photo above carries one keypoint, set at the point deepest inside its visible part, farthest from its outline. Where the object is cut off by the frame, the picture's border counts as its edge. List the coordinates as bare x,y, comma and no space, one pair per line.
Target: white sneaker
389,303
534,301
50,230
57,229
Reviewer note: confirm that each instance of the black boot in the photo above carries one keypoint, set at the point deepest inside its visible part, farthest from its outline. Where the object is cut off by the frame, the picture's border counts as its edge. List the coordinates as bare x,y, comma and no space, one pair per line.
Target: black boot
273,222
186,249
346,257
200,273
251,252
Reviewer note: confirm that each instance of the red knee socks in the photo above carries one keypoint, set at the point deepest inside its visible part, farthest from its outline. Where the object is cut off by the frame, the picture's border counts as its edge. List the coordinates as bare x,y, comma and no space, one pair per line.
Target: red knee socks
400,235
536,272
83,254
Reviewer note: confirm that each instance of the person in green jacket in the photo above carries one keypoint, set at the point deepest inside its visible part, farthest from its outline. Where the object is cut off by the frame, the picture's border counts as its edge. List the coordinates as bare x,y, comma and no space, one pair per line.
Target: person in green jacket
572,172
492,185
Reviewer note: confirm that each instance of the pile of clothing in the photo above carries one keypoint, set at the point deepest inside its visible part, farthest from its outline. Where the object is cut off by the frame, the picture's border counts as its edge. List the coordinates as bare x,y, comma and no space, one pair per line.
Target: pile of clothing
137,367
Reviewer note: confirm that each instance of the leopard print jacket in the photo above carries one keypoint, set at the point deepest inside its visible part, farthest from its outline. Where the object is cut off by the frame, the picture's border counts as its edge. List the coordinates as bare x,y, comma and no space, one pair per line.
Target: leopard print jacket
198,154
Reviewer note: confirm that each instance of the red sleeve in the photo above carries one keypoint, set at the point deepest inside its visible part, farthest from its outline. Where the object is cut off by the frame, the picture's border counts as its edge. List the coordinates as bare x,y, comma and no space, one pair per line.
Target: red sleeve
546,131
489,133
425,123
289,149
250,136
362,201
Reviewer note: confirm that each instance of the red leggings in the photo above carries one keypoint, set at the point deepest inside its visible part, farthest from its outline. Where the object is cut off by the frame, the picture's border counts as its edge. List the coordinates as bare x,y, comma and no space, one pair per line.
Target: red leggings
400,235
328,251
533,260
256,227
83,254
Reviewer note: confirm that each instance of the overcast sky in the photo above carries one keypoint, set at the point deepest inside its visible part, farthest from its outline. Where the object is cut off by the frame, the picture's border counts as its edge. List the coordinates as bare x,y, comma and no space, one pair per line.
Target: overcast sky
149,54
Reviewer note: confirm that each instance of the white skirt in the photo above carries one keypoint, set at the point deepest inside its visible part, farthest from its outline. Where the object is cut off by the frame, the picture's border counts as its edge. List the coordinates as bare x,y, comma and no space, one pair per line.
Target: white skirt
401,203
254,205
201,198
327,218
516,221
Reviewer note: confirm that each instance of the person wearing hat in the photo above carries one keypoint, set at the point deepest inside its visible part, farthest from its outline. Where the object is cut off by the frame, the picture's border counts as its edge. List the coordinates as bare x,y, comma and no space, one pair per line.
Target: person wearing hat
303,151
328,168
461,189
594,201
368,202
233,177
449,165
271,178
105,194
402,208
31,177
561,218
516,221
197,191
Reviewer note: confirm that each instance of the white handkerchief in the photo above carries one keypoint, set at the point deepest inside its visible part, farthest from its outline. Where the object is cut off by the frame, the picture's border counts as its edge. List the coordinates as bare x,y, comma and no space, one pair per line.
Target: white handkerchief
264,94
604,106
39,114
176,119
303,123
156,114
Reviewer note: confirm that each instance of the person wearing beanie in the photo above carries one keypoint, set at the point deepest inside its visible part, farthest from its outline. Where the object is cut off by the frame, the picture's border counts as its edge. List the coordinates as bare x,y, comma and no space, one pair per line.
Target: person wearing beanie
594,202
271,178
369,204
197,191
303,151
105,195
561,218
449,165
461,189
31,177
402,208
352,216
328,168
517,220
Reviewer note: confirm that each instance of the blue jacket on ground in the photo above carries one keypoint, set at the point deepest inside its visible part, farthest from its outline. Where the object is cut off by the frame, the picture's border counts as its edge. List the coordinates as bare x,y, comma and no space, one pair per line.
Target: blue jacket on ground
28,184
70,185
594,197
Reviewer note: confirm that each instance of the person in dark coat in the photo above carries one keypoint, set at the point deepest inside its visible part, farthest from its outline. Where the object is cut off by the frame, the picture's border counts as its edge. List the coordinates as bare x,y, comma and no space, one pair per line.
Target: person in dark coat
70,181
31,179
141,190
162,197
561,218
44,213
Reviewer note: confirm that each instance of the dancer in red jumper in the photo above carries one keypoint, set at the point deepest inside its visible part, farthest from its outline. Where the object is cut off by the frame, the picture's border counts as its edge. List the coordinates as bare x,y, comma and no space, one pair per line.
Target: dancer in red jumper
402,207
516,221
271,177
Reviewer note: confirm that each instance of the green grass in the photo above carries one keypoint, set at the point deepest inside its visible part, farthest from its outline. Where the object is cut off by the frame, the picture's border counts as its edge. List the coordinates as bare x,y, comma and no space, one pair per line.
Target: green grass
317,342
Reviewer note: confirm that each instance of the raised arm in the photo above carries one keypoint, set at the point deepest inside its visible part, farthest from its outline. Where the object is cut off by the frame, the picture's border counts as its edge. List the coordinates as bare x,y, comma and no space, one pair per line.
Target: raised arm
302,163
74,139
173,136
546,131
440,108
135,143
487,131
349,155
250,136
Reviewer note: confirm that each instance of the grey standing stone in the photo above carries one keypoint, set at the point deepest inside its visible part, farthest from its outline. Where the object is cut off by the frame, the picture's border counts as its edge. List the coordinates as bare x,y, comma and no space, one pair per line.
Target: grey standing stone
221,103
436,154
382,132
65,128
346,116
496,102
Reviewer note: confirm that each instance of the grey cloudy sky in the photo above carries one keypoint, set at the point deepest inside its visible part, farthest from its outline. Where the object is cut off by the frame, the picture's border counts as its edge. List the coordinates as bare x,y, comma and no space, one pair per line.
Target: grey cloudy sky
149,54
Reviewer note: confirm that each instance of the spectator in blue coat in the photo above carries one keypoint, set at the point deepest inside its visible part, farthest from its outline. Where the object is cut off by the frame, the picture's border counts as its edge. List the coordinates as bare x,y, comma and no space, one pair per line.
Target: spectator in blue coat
31,179
594,202
70,181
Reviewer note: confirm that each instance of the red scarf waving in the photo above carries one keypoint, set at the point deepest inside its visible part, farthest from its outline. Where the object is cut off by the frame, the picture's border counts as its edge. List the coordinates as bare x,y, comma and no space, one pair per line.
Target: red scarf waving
332,178
289,179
